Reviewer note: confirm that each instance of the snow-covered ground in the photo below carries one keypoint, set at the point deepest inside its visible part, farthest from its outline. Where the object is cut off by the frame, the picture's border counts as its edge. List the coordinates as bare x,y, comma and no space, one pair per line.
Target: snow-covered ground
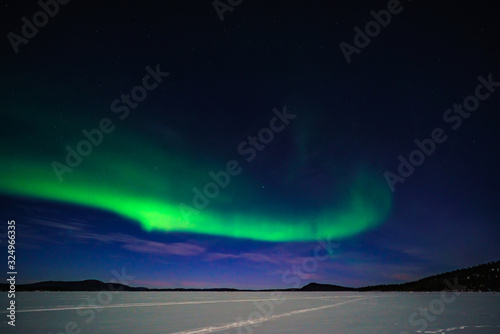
257,312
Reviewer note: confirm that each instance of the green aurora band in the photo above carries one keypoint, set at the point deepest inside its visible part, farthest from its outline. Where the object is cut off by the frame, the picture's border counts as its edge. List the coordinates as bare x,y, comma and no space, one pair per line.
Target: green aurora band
135,178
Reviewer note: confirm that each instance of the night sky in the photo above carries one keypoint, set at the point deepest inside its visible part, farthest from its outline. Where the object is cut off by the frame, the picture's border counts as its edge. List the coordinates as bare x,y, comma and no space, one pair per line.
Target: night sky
217,144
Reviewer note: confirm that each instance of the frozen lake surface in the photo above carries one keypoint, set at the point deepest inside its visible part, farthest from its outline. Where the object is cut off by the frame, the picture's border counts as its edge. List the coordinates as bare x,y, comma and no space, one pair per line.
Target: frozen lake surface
253,312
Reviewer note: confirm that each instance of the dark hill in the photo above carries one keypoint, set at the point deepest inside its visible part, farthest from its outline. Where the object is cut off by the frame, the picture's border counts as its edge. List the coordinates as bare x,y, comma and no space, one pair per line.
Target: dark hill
484,277
87,285
324,287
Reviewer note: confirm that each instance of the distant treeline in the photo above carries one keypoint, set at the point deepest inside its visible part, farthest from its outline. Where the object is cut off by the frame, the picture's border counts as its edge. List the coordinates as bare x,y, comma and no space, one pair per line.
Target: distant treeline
484,277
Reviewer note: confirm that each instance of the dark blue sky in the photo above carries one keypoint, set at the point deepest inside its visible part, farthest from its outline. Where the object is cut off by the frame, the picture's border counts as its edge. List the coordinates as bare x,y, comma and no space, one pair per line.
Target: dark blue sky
225,77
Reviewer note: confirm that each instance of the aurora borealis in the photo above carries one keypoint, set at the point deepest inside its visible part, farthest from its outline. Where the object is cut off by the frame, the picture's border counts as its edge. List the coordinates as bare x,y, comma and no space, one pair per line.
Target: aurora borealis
129,187
195,178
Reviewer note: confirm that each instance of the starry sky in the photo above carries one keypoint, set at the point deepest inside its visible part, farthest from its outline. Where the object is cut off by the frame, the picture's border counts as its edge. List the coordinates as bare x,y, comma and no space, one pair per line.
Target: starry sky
218,144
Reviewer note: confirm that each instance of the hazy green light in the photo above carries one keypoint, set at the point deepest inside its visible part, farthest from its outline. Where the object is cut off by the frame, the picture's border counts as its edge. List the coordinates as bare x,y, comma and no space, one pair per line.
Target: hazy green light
364,207
135,178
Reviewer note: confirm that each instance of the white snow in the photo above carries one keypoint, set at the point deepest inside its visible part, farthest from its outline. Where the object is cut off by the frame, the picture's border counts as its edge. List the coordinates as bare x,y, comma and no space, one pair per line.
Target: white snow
248,313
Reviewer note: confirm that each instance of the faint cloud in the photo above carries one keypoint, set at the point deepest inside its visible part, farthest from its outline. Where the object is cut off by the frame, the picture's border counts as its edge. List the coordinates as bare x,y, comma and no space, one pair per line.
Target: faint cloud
254,257
60,224
220,256
138,245
152,247
80,231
